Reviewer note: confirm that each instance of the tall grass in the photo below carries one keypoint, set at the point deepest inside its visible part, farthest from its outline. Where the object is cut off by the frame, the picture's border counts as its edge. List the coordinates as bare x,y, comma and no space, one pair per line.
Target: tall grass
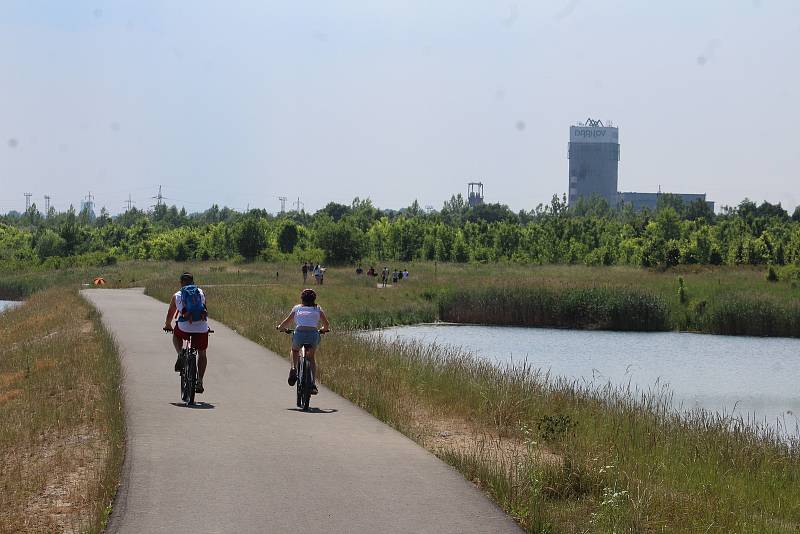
749,315
598,307
61,421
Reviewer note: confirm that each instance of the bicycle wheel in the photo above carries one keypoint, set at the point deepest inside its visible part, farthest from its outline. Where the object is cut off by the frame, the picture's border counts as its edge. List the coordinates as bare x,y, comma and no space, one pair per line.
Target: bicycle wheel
307,381
191,375
184,390
299,385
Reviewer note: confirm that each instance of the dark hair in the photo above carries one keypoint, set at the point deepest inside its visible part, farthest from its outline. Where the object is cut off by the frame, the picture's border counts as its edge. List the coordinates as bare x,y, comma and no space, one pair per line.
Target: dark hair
308,297
187,278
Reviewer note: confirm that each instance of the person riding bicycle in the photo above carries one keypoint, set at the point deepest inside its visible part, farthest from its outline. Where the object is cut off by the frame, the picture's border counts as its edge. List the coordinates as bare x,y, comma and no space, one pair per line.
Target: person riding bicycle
187,326
307,317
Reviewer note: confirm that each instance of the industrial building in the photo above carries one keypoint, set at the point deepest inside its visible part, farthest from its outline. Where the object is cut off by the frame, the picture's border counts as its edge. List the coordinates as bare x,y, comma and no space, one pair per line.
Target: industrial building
594,154
640,201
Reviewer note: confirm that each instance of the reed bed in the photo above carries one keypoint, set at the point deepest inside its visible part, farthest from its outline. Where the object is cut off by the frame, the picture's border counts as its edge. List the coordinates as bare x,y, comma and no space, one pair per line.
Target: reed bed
597,307
61,420
750,315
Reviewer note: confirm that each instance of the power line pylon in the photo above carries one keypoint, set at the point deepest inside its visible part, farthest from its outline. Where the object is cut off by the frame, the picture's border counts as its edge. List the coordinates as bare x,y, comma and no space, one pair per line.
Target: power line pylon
159,198
46,205
28,201
283,204
298,204
129,202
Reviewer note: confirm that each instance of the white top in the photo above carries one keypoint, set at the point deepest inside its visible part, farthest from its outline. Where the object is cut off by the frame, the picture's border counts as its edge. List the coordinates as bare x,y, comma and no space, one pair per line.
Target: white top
195,327
306,316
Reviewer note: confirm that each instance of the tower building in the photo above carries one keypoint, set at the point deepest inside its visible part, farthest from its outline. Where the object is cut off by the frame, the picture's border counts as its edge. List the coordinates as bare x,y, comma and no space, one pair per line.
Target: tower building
593,161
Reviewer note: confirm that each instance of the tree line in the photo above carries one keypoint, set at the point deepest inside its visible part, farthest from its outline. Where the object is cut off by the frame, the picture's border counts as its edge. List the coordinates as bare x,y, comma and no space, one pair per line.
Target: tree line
590,232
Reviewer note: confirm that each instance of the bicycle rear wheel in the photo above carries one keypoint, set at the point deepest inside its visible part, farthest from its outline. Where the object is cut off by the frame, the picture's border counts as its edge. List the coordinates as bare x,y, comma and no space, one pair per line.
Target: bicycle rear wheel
307,381
191,375
184,390
299,386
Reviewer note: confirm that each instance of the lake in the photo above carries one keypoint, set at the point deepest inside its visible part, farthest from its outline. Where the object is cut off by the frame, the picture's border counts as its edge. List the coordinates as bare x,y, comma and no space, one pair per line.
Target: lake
6,304
757,378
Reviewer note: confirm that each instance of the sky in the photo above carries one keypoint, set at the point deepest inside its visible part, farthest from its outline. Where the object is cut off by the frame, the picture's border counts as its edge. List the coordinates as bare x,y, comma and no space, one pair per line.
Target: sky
241,102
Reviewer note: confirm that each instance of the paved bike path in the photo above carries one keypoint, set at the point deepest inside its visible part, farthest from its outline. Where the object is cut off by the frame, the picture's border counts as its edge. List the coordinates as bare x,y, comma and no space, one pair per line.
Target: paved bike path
249,462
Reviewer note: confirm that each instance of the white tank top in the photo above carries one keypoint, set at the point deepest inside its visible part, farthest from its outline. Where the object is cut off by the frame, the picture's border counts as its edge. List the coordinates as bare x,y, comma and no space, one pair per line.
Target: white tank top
306,315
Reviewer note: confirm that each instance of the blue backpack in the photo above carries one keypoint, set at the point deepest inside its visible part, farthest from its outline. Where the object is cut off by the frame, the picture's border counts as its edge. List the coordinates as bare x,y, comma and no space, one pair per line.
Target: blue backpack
193,307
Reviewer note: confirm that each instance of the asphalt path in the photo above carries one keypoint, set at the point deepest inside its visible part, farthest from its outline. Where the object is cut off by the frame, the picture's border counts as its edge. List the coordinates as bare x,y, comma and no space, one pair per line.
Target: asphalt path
246,460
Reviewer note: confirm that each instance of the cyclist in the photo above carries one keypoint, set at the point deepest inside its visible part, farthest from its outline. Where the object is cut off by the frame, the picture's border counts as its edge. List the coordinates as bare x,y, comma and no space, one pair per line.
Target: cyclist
307,317
187,327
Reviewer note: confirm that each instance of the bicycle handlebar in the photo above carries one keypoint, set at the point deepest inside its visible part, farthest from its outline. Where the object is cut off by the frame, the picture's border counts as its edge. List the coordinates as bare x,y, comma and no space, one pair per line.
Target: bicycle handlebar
291,331
171,329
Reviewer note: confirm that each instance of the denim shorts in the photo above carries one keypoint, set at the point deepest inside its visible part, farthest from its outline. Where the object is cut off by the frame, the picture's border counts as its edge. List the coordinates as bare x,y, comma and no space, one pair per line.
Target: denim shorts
305,337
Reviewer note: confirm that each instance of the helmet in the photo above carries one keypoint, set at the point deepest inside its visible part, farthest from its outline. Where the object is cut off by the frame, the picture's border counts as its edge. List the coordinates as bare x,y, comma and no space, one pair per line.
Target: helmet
308,296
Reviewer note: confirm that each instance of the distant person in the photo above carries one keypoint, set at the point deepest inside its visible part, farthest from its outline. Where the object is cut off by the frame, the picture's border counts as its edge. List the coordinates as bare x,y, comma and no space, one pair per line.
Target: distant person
306,317
321,275
394,276
317,273
189,306
405,273
359,270
304,269
371,271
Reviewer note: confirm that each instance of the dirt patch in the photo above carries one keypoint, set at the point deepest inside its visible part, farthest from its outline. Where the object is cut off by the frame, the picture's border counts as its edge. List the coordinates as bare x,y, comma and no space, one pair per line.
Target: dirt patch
9,395
45,363
9,379
442,434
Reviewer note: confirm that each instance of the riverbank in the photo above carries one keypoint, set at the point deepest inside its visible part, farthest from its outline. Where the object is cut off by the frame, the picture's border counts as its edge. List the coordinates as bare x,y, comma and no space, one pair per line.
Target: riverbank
718,300
61,421
558,456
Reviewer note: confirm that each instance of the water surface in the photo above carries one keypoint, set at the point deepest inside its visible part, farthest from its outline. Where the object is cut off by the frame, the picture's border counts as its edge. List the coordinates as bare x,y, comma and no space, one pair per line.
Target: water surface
8,304
757,378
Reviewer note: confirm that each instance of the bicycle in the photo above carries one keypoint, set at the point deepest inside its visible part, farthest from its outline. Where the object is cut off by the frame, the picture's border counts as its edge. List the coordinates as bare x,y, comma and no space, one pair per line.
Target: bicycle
305,377
188,373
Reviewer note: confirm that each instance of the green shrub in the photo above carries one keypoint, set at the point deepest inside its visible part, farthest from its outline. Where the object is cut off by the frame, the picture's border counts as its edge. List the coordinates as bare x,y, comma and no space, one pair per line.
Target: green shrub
772,276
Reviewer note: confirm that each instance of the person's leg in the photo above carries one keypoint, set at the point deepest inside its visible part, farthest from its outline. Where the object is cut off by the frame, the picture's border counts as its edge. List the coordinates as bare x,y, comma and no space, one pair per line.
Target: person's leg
177,343
293,370
202,361
310,357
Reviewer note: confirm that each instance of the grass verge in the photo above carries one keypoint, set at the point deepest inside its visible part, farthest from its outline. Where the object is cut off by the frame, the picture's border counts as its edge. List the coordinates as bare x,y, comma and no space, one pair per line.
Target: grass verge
61,420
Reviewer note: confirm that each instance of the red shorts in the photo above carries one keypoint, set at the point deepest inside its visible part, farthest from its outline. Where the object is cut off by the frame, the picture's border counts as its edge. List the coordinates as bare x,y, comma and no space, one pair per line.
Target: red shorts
199,341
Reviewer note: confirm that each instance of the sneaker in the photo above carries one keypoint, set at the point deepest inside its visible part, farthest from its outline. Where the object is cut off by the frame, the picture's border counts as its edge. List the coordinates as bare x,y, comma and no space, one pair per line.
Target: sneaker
198,388
179,364
314,389
292,377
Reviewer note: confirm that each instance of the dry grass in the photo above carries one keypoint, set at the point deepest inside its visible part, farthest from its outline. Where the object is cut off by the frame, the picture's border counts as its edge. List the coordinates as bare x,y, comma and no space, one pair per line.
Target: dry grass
61,425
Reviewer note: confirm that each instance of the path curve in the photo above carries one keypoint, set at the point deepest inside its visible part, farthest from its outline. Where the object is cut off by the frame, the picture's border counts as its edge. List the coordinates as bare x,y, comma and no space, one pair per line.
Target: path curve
249,463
